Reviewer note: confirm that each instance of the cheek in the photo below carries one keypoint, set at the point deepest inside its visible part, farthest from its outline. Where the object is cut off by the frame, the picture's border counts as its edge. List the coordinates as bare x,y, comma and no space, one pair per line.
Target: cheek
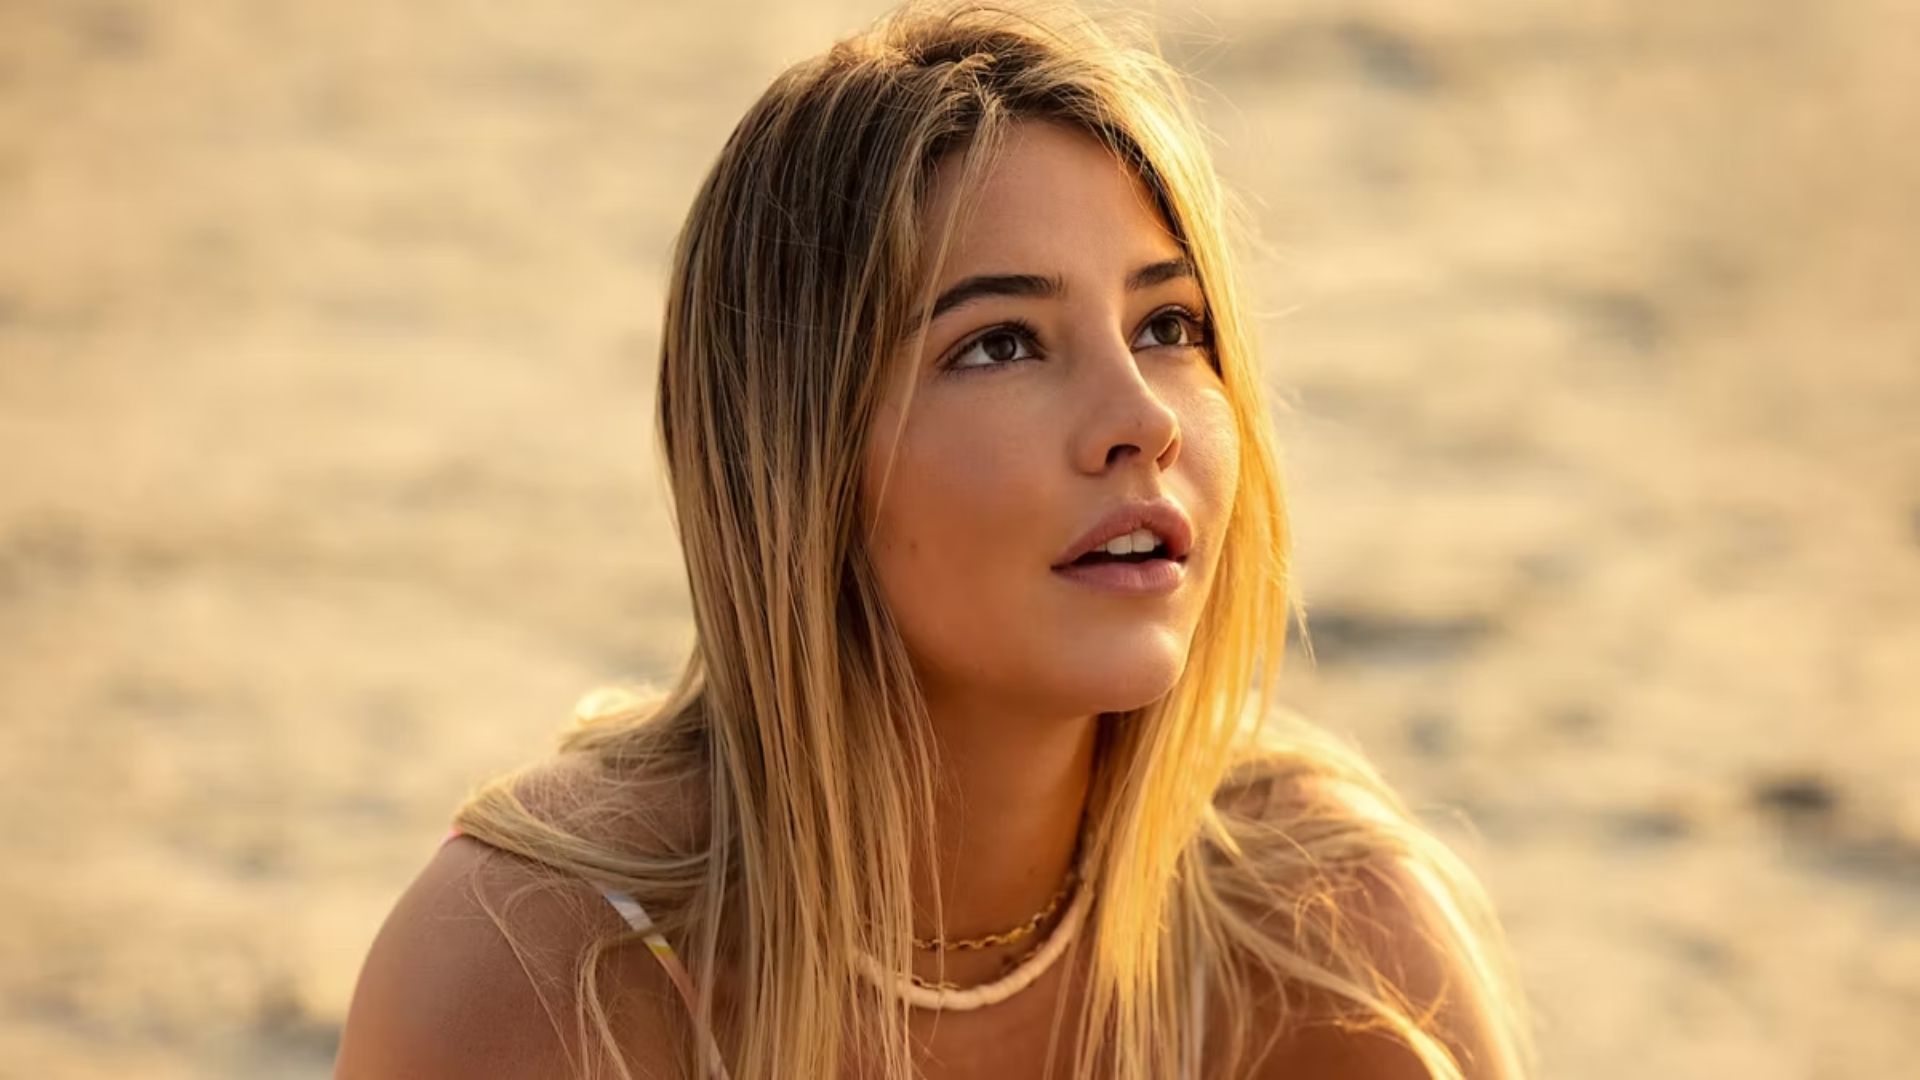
954,544
1215,447
1210,471
1208,468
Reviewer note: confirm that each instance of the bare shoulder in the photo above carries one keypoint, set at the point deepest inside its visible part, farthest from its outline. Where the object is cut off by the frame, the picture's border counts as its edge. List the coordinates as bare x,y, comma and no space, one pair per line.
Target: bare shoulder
1400,921
473,974
1401,918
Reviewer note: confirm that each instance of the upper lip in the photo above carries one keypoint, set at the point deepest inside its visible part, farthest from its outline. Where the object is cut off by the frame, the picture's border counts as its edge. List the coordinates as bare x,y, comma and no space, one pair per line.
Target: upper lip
1163,516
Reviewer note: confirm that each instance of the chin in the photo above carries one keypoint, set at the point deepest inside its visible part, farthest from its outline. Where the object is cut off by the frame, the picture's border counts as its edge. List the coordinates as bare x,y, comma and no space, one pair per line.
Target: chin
1123,678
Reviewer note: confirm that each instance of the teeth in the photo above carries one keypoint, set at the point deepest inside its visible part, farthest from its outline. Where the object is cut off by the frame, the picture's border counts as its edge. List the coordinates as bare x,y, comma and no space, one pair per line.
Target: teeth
1139,540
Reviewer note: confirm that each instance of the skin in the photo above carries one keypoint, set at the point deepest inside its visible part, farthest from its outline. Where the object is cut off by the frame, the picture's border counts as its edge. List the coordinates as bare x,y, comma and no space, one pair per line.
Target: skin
994,473
998,465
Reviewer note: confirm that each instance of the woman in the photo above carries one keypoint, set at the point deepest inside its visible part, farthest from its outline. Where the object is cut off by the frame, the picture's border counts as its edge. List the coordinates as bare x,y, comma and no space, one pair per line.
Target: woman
973,770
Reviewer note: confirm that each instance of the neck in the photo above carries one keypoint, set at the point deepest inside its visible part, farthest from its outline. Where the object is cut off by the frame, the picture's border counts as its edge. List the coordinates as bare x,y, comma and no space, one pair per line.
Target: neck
1012,792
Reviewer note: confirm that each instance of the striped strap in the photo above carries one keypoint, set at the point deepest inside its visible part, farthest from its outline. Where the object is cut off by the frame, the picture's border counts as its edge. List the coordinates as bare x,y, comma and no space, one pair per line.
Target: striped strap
637,917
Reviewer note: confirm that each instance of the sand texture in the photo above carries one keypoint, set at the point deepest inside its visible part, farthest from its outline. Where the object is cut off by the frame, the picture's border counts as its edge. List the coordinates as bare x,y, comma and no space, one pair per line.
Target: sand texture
327,334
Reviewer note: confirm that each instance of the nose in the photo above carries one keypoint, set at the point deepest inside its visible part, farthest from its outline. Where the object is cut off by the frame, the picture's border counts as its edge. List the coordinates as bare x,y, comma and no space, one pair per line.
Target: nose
1125,418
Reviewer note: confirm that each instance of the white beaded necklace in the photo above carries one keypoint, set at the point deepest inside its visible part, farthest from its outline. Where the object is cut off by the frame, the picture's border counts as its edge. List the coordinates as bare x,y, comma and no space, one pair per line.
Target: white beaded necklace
1000,989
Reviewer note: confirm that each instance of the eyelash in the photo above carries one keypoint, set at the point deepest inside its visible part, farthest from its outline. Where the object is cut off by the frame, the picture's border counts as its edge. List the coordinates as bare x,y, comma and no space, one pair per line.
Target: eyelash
1201,332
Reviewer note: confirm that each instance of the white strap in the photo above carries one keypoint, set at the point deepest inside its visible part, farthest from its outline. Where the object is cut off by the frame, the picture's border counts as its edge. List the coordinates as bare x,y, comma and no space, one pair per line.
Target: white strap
629,908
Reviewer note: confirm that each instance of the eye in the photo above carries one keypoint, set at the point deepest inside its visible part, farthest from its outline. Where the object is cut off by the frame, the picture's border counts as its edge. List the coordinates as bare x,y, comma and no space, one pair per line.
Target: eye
998,346
1172,326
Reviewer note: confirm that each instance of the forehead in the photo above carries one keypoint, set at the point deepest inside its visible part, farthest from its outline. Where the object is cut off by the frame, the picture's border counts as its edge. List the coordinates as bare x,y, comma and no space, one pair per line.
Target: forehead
1052,196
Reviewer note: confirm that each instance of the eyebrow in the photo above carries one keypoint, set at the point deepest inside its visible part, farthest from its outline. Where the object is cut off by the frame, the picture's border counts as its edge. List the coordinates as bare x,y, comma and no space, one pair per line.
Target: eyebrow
981,286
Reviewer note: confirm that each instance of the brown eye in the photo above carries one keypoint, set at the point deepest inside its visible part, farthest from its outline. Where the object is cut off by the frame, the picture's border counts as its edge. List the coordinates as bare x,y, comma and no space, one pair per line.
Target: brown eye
999,347
1172,327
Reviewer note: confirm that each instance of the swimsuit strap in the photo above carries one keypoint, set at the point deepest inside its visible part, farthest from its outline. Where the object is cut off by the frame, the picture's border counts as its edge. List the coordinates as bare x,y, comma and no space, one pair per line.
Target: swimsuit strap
637,917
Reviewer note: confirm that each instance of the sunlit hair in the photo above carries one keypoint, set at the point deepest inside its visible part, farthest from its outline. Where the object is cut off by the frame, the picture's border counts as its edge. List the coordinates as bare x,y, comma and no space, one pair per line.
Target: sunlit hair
1221,824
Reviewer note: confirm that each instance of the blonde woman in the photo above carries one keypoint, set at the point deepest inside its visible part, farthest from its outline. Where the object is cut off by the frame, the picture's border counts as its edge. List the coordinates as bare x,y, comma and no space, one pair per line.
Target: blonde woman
973,771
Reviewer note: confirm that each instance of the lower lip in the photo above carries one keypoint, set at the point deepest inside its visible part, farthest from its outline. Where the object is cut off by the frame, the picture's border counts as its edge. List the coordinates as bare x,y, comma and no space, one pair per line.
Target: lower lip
1140,579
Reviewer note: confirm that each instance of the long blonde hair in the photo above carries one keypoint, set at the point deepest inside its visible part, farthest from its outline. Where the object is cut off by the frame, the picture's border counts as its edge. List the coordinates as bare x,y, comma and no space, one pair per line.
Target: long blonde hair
796,722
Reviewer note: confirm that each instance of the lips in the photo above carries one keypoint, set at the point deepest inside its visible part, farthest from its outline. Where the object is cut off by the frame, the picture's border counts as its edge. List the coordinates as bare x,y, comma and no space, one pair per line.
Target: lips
1162,516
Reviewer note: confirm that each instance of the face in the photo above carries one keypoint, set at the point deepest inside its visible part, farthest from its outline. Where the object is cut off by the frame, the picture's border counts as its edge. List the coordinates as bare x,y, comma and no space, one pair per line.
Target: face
1056,383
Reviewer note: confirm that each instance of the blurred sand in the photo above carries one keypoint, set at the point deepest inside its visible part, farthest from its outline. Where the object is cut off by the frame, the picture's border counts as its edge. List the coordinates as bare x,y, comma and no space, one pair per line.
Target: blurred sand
326,339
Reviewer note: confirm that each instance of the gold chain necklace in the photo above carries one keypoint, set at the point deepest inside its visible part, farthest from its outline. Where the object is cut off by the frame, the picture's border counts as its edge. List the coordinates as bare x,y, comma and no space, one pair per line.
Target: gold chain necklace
1032,923
1009,964
931,994
1003,937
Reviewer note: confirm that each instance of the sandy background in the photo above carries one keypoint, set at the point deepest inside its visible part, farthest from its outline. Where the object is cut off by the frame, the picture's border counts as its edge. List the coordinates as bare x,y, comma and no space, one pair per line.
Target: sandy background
326,348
